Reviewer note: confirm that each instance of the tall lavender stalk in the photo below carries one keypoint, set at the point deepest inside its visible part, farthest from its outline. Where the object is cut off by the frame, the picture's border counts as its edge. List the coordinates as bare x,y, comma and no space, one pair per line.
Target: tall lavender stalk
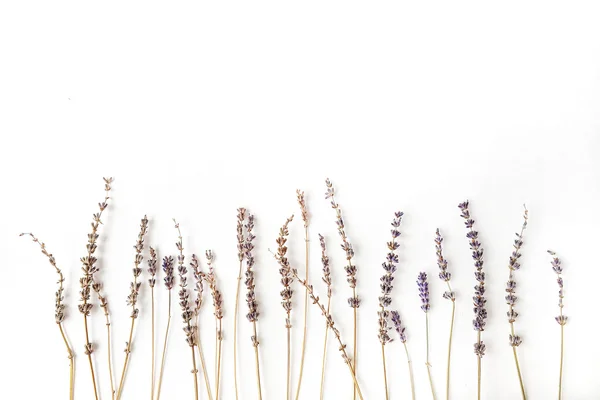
386,285
423,286
241,217
350,268
152,269
89,282
401,330
59,311
511,299
253,313
478,299
186,310
327,280
448,295
286,294
169,280
561,319
304,211
133,297
198,301
211,278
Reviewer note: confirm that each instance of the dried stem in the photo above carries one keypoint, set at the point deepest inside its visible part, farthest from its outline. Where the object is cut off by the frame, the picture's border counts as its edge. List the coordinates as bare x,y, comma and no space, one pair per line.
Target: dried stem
152,268
351,269
561,319
169,281
327,280
410,370
401,330
199,277
211,279
133,296
241,216
450,348
304,212
59,311
427,362
87,283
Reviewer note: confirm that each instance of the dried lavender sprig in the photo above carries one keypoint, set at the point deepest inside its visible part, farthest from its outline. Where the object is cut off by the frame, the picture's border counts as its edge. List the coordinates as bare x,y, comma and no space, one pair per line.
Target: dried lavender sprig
217,298
88,282
133,296
241,217
478,299
386,285
445,276
401,330
186,310
561,319
59,311
284,263
423,286
253,312
152,269
304,213
169,281
511,298
351,269
286,294
327,280
198,301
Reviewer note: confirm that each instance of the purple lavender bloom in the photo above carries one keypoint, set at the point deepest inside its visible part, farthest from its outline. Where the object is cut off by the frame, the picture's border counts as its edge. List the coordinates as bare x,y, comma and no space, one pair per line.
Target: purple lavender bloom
423,291
557,268
398,325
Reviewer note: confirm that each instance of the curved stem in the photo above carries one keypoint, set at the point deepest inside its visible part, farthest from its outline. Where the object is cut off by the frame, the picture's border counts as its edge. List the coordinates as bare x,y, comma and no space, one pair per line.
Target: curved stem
235,320
109,350
355,358
153,356
164,352
427,359
201,355
325,349
220,350
216,358
71,362
450,351
387,395
305,312
127,353
87,340
257,364
195,372
410,370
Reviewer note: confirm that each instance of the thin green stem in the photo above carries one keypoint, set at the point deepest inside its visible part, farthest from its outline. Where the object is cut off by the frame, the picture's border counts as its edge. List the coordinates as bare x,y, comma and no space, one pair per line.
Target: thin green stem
427,362
71,362
562,347
410,371
153,355
305,313
235,320
387,395
450,350
478,368
164,352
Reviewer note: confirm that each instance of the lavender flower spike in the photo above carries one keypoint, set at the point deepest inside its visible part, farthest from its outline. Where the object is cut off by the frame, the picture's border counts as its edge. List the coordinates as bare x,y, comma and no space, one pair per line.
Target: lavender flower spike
561,319
401,330
423,291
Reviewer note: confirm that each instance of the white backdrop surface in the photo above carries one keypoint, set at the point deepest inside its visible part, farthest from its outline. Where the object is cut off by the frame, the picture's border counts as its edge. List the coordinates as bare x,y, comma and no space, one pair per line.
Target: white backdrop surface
197,108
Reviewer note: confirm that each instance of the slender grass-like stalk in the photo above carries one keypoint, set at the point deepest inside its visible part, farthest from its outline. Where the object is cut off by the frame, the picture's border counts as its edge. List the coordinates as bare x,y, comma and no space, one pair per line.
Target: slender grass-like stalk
186,311
304,212
133,297
401,330
218,306
169,281
448,295
152,269
354,301
425,306
253,312
241,216
327,280
561,319
286,294
87,283
385,300
479,298
59,312
199,289
511,299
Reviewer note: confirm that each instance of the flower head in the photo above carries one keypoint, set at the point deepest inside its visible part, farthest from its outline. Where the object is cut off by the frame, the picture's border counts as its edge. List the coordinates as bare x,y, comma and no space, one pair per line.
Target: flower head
423,286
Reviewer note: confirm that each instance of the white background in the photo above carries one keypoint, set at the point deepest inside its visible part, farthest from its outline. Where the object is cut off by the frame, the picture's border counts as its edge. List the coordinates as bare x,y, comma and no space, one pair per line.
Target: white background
197,108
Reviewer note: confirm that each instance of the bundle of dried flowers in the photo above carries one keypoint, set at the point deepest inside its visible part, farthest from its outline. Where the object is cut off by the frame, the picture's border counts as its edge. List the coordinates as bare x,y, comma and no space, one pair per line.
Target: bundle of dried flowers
511,298
351,269
251,295
423,286
88,282
152,282
286,294
211,279
186,309
133,296
561,319
169,280
327,280
401,330
478,299
304,212
199,289
281,258
448,295
389,266
59,311
241,217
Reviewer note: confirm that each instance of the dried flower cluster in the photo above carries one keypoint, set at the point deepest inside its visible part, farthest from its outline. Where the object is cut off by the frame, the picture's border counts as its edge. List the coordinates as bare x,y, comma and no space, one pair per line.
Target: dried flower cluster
168,268
558,270
423,286
443,266
511,285
212,284
135,285
398,325
478,299
250,294
285,271
152,269
198,284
